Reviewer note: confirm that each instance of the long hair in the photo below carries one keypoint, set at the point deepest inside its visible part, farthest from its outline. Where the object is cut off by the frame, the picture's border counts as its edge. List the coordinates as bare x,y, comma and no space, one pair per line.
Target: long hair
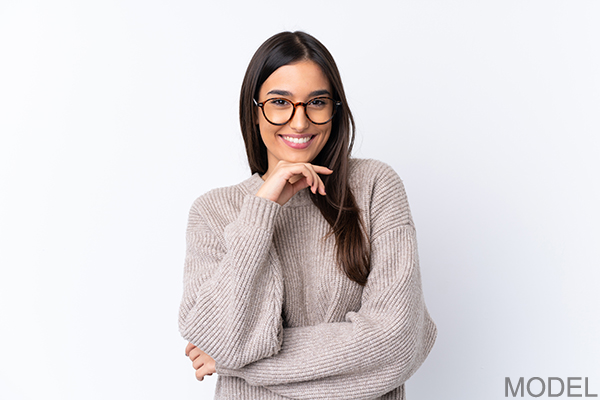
339,207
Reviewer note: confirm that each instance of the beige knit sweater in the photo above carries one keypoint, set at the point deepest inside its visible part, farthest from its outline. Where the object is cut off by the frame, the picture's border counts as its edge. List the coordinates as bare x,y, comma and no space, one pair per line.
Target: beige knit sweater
263,295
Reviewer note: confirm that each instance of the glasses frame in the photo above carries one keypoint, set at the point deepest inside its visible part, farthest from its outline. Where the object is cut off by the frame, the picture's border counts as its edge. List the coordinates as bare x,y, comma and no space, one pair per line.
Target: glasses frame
336,104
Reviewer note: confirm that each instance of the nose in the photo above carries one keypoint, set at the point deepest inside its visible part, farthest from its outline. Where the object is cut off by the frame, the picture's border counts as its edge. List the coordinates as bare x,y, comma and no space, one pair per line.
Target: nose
299,121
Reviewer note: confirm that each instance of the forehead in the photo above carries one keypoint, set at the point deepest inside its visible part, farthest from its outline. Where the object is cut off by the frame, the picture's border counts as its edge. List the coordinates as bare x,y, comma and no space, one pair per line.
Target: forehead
299,79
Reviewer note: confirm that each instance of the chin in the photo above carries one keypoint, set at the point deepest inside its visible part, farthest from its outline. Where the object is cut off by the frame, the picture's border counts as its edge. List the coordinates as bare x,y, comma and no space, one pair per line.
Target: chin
299,159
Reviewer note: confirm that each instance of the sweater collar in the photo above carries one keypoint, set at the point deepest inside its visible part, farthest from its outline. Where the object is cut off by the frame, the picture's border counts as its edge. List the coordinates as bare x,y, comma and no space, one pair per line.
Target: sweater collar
254,183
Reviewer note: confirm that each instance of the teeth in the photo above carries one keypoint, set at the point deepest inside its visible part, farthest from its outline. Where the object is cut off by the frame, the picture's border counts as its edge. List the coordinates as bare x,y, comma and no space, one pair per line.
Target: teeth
297,140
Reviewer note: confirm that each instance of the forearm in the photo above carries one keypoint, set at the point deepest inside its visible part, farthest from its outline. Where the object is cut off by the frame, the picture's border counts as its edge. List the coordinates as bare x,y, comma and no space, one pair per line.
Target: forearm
391,332
233,295
329,361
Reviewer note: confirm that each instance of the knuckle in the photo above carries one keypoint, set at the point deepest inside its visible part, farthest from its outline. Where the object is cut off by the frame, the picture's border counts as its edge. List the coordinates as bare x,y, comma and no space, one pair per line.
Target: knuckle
197,354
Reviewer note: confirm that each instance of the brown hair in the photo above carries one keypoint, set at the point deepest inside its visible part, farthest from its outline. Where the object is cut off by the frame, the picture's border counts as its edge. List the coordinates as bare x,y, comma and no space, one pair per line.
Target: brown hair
339,207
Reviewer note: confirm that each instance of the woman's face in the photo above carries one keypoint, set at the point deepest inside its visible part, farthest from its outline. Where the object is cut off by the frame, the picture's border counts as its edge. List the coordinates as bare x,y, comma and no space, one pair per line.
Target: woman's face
297,82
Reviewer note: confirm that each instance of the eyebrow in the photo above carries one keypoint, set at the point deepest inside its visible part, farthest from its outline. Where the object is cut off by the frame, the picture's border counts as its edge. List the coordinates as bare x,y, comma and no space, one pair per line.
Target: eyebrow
287,93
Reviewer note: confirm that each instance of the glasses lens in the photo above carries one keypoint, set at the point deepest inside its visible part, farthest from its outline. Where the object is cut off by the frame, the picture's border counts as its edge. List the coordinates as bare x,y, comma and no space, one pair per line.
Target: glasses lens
278,111
320,110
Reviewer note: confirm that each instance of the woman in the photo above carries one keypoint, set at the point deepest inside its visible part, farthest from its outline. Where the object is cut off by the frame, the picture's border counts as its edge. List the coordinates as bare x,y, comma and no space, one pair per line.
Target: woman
303,281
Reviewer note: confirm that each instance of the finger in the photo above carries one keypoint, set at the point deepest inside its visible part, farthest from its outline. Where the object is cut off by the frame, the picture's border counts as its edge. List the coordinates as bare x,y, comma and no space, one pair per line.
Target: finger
318,169
309,174
301,170
300,184
314,181
318,186
292,173
195,353
295,178
322,188
207,369
199,375
202,372
188,348
282,166
322,170
198,362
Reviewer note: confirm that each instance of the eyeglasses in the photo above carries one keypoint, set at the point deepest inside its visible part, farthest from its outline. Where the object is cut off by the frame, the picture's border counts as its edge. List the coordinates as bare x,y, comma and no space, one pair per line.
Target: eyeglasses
280,111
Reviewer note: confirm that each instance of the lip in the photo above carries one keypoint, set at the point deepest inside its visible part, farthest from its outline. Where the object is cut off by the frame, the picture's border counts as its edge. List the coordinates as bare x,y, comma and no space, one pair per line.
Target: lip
298,146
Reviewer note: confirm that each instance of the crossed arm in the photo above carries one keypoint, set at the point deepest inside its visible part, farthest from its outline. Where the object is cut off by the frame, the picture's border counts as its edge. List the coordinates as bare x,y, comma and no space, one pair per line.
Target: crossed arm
373,351
370,353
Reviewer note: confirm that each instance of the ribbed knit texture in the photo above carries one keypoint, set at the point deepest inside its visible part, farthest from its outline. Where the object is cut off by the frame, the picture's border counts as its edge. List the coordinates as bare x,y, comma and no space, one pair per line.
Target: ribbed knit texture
264,297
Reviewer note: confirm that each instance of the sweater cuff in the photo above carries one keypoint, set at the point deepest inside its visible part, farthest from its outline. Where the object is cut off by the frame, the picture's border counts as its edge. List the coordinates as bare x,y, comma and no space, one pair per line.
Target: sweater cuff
259,212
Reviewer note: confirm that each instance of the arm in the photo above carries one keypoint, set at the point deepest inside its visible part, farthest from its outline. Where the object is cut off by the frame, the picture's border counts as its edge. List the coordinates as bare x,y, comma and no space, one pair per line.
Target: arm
233,290
369,354
374,350
233,286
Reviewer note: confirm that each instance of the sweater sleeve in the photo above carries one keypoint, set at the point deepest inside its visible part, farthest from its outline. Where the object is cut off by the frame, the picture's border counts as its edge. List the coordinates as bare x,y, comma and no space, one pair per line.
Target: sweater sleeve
233,288
374,350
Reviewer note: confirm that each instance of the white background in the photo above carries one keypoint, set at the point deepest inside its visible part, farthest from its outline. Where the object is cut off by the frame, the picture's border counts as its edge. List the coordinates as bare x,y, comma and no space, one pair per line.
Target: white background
116,115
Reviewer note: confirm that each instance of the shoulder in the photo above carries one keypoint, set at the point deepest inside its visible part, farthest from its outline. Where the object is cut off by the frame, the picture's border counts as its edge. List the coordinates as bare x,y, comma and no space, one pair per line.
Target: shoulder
221,205
378,178
380,193
367,170
218,198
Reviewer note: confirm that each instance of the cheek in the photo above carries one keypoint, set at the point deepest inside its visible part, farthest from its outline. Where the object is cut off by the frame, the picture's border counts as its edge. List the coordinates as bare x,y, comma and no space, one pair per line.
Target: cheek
326,136
267,131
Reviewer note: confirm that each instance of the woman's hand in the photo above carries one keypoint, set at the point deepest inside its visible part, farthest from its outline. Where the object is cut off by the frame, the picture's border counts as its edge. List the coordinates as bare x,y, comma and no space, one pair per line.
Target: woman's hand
289,178
202,362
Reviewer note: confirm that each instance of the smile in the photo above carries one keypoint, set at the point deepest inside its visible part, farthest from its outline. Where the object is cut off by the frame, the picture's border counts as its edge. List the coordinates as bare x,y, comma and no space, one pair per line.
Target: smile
298,142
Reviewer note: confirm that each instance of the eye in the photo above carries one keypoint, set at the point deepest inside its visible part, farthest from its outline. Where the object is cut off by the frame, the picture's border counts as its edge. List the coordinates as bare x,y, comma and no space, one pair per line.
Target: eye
318,103
279,103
